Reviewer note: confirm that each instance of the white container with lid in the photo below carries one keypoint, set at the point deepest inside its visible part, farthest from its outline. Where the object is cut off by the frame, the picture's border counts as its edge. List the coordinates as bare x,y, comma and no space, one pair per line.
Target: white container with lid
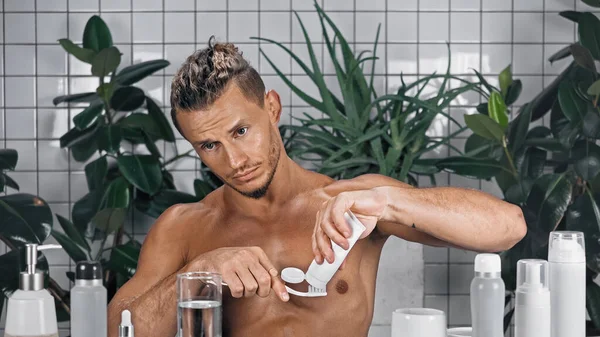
532,309
487,297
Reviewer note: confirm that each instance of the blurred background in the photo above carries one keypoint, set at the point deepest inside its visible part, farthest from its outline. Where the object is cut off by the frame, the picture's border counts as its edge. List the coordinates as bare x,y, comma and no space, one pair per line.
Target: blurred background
483,35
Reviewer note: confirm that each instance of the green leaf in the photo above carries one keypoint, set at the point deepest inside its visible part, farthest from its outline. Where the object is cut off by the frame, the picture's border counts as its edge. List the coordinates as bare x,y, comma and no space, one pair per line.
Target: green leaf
548,144
8,181
96,35
72,233
86,146
573,107
109,138
592,302
136,72
127,99
588,163
88,115
161,121
583,215
517,131
482,108
497,109
476,168
589,33
95,172
151,145
82,54
591,124
84,210
561,54
133,125
425,166
513,92
594,89
123,259
86,97
25,218
69,246
593,3
110,220
106,61
8,159
76,136
202,188
505,79
116,195
571,15
531,162
477,146
484,126
142,171
105,90
485,83
583,57
544,101
517,194
167,198
549,198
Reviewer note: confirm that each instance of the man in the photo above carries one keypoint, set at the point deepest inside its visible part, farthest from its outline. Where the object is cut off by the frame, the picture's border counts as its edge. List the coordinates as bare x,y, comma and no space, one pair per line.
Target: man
271,213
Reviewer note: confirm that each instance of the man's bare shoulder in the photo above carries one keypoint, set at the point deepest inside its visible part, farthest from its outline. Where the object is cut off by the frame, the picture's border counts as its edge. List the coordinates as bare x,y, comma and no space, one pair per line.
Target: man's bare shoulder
362,182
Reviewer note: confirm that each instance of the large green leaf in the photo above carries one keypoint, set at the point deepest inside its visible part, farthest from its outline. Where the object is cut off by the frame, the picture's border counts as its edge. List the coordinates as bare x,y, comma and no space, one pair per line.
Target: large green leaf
96,35
573,107
517,194
592,3
127,99
117,194
167,198
594,89
8,159
561,54
124,258
484,126
518,128
588,162
135,125
161,121
142,171
513,92
84,210
202,188
109,138
8,181
25,218
109,220
591,124
592,302
476,168
86,97
571,15
82,54
76,136
589,33
544,101
477,146
152,148
95,172
88,115
136,72
531,162
583,57
558,121
584,216
72,233
106,61
505,79
86,146
548,199
69,246
497,109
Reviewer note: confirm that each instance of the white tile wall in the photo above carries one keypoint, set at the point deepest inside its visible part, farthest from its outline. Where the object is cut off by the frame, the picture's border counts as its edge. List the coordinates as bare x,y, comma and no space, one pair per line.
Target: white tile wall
485,35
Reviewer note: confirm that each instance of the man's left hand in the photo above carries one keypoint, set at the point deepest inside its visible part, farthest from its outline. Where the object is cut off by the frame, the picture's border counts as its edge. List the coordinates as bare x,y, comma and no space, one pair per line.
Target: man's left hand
367,205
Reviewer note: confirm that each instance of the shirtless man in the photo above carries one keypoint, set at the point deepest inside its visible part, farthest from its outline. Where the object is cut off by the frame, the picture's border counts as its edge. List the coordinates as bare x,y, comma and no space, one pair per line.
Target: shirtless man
271,213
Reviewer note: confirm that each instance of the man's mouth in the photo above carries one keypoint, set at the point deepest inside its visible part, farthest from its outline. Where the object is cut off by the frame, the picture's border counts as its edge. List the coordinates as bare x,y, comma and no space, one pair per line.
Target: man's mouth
245,175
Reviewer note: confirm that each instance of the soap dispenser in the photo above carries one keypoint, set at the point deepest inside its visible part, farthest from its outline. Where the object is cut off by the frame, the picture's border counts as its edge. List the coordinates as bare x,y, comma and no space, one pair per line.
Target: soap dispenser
30,311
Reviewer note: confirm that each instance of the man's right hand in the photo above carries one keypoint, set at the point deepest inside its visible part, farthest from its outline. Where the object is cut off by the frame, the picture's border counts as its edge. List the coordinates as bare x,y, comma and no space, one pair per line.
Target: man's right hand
247,271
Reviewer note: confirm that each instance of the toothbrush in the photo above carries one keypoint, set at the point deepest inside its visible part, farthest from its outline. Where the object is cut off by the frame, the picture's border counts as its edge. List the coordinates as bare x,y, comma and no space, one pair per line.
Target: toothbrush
318,275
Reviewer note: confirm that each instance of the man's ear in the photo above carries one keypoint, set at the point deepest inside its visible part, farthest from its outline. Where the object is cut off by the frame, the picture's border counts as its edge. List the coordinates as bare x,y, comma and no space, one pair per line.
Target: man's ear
273,105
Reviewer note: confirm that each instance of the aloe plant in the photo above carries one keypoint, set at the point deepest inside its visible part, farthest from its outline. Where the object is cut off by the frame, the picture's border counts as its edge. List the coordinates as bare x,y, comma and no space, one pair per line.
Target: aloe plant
363,131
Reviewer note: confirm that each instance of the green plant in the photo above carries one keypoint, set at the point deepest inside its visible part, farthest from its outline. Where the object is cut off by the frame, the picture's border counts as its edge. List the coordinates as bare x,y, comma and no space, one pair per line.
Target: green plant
363,131
117,118
552,173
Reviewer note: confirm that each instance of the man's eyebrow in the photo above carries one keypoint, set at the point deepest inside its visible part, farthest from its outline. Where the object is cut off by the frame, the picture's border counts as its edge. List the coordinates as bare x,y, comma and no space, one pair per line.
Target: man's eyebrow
237,125
202,142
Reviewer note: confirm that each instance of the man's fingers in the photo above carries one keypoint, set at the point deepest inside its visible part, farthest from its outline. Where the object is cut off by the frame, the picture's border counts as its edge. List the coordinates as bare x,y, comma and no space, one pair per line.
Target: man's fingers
265,262
263,279
235,285
337,217
250,285
334,235
279,289
324,245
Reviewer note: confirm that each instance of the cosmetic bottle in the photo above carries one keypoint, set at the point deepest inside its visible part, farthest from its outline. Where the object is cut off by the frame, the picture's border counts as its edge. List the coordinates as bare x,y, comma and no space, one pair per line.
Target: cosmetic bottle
487,297
532,309
88,301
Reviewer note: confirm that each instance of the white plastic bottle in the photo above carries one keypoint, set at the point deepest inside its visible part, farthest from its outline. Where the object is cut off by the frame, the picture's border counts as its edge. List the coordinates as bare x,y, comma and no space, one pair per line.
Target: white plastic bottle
566,257
88,301
532,309
487,297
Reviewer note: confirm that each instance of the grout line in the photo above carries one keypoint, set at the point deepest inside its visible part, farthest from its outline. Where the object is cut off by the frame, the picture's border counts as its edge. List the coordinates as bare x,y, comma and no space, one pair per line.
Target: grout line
432,43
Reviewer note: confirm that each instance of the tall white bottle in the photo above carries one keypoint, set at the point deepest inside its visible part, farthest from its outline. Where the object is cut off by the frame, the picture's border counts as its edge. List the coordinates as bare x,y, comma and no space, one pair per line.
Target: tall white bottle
532,309
88,301
487,297
566,257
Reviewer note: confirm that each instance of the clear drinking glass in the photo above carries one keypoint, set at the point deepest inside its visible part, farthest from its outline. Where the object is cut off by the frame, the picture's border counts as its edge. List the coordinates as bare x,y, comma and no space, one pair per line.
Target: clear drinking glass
199,299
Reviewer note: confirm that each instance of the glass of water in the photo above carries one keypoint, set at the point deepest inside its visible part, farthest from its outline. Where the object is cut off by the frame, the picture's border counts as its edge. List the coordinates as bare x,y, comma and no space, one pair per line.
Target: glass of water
199,299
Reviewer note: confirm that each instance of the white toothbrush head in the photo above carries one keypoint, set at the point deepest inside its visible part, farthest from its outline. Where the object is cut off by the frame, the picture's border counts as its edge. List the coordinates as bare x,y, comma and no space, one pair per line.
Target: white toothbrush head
294,276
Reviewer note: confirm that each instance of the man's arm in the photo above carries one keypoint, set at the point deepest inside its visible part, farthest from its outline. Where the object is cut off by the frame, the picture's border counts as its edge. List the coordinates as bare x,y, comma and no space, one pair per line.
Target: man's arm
150,294
458,217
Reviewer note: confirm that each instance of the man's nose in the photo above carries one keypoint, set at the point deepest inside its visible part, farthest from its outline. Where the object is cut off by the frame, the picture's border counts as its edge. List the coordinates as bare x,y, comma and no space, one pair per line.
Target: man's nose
237,157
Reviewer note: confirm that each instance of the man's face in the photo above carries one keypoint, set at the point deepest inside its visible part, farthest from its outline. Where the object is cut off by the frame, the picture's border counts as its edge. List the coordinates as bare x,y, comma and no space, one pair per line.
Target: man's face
237,140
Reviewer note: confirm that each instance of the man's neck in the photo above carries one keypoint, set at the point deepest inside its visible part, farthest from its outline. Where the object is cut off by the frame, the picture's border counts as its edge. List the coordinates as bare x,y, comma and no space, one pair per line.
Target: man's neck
283,187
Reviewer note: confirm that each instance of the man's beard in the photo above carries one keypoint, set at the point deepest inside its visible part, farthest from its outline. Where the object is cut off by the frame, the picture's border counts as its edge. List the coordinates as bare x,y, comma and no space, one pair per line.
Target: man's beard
261,191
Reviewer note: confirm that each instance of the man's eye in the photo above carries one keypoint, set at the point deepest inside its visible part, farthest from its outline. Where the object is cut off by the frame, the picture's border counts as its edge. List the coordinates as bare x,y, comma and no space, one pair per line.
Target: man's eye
209,146
242,131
